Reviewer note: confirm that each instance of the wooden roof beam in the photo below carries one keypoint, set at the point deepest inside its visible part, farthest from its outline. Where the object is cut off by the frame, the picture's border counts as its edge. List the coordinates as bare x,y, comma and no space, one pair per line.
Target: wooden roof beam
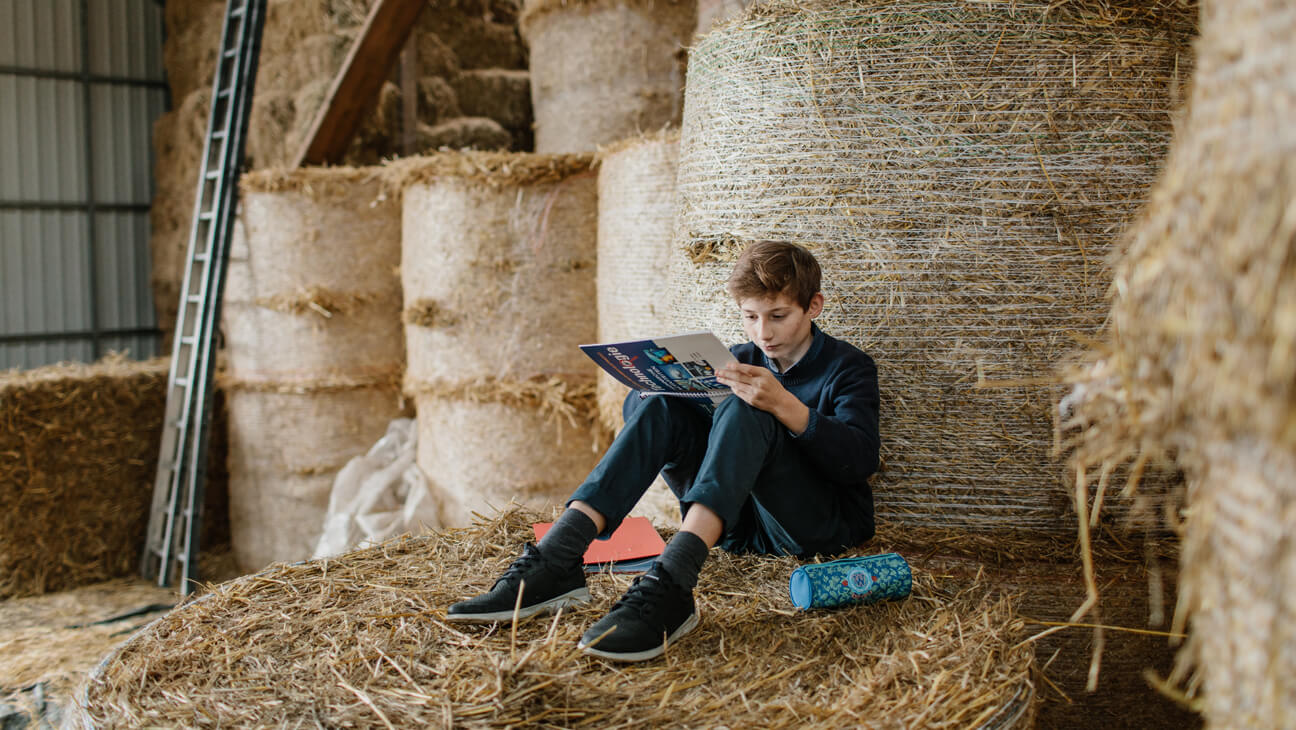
355,89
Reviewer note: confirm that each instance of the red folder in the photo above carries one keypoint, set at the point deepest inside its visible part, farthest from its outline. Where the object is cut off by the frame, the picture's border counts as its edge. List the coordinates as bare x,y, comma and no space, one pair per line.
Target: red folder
633,540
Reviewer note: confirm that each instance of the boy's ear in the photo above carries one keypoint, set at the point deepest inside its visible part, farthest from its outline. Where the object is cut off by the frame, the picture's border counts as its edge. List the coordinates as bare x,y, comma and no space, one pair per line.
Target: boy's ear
816,305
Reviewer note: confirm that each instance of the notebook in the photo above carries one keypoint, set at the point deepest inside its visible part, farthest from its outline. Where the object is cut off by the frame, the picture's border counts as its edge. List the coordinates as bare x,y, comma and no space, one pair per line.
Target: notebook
630,549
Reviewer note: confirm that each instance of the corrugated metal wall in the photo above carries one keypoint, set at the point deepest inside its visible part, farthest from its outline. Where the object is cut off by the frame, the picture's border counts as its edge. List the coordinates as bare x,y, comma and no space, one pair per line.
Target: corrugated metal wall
81,83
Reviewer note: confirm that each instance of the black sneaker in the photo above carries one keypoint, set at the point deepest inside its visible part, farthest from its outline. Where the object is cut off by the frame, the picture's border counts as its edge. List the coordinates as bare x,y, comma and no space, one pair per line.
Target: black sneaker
654,612
545,587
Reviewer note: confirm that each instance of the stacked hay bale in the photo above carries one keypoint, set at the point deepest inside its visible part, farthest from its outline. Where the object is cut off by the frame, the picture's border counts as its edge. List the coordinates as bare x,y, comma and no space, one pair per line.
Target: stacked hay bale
604,70
636,199
1200,363
313,349
960,201
303,47
960,170
336,642
78,449
498,274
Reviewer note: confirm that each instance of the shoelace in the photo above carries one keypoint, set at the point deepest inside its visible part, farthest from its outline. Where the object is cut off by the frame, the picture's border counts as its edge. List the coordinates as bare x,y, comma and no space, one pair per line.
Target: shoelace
530,556
644,593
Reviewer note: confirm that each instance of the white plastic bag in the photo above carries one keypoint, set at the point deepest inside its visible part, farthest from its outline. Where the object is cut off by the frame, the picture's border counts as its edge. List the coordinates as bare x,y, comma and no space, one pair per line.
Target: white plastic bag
379,495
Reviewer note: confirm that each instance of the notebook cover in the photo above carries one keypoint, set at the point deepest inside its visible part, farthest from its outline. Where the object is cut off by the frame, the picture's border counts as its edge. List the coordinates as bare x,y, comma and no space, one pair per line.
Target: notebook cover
633,540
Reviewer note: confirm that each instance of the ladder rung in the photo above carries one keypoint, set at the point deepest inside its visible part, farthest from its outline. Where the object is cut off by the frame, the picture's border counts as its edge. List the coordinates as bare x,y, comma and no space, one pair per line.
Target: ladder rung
182,382
237,12
194,298
223,93
230,53
200,257
212,175
208,215
219,134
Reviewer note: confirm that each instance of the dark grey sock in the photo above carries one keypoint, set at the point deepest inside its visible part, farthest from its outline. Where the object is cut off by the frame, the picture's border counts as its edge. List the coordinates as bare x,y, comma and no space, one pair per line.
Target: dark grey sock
566,542
683,558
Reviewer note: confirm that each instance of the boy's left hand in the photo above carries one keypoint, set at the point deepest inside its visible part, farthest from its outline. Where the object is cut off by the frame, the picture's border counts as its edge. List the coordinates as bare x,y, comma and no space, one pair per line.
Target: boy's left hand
758,387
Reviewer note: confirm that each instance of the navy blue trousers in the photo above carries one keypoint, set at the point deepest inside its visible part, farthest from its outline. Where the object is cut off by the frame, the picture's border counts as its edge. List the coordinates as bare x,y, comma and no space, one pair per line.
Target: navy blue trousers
740,462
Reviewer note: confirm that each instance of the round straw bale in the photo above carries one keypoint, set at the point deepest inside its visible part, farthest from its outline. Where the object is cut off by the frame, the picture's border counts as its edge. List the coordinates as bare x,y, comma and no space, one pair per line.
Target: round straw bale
314,334
359,640
285,448
498,271
960,171
636,197
603,70
312,289
327,227
481,455
1199,366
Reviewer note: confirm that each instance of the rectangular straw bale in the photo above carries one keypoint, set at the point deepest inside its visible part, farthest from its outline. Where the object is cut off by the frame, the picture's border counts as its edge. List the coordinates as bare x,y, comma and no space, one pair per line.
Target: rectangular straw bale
78,452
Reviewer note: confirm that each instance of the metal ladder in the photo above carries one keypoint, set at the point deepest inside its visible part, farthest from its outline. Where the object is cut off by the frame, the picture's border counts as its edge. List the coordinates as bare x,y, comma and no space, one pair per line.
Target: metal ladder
171,546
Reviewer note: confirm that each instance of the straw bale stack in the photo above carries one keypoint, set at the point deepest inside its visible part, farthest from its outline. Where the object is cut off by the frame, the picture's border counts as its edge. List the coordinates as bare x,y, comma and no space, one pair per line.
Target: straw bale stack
78,449
313,348
604,70
359,641
303,46
498,273
636,217
1199,366
960,171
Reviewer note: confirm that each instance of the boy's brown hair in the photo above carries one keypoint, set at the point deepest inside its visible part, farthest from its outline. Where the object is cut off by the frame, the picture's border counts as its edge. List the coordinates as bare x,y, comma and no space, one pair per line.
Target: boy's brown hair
770,268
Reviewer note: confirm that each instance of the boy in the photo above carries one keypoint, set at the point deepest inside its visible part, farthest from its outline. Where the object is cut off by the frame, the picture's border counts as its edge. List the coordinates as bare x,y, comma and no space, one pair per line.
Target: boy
780,468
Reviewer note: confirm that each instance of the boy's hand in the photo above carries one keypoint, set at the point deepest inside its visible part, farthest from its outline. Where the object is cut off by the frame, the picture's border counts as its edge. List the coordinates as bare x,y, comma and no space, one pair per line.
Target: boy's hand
758,387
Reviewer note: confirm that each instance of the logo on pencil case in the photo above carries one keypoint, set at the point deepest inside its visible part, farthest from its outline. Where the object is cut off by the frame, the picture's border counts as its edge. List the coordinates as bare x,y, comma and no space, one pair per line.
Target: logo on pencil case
859,581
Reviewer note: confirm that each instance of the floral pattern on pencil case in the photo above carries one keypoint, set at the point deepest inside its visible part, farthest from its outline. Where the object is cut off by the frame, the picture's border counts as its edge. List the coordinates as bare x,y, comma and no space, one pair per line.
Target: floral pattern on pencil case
859,580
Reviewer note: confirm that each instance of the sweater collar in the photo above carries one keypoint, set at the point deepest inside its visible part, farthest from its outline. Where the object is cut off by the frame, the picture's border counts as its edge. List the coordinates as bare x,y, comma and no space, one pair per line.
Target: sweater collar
816,346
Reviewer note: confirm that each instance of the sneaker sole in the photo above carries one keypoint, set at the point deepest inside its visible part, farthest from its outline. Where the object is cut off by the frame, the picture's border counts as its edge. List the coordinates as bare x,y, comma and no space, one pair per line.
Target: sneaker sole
570,598
689,624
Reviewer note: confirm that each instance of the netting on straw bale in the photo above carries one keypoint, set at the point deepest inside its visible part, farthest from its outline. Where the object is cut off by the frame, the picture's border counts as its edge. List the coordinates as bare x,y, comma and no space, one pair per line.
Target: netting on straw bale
78,449
498,274
1199,367
482,455
636,197
360,641
603,70
960,171
312,290
285,448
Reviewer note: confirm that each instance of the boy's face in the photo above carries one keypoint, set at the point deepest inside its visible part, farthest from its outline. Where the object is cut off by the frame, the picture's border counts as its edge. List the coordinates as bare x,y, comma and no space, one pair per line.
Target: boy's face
779,326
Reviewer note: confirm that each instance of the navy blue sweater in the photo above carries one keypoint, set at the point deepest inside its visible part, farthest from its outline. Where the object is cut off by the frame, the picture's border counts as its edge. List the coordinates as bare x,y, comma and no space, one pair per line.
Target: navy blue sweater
838,382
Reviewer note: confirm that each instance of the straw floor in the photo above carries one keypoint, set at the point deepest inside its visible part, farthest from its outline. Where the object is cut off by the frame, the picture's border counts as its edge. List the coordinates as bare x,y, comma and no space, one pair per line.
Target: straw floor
360,641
